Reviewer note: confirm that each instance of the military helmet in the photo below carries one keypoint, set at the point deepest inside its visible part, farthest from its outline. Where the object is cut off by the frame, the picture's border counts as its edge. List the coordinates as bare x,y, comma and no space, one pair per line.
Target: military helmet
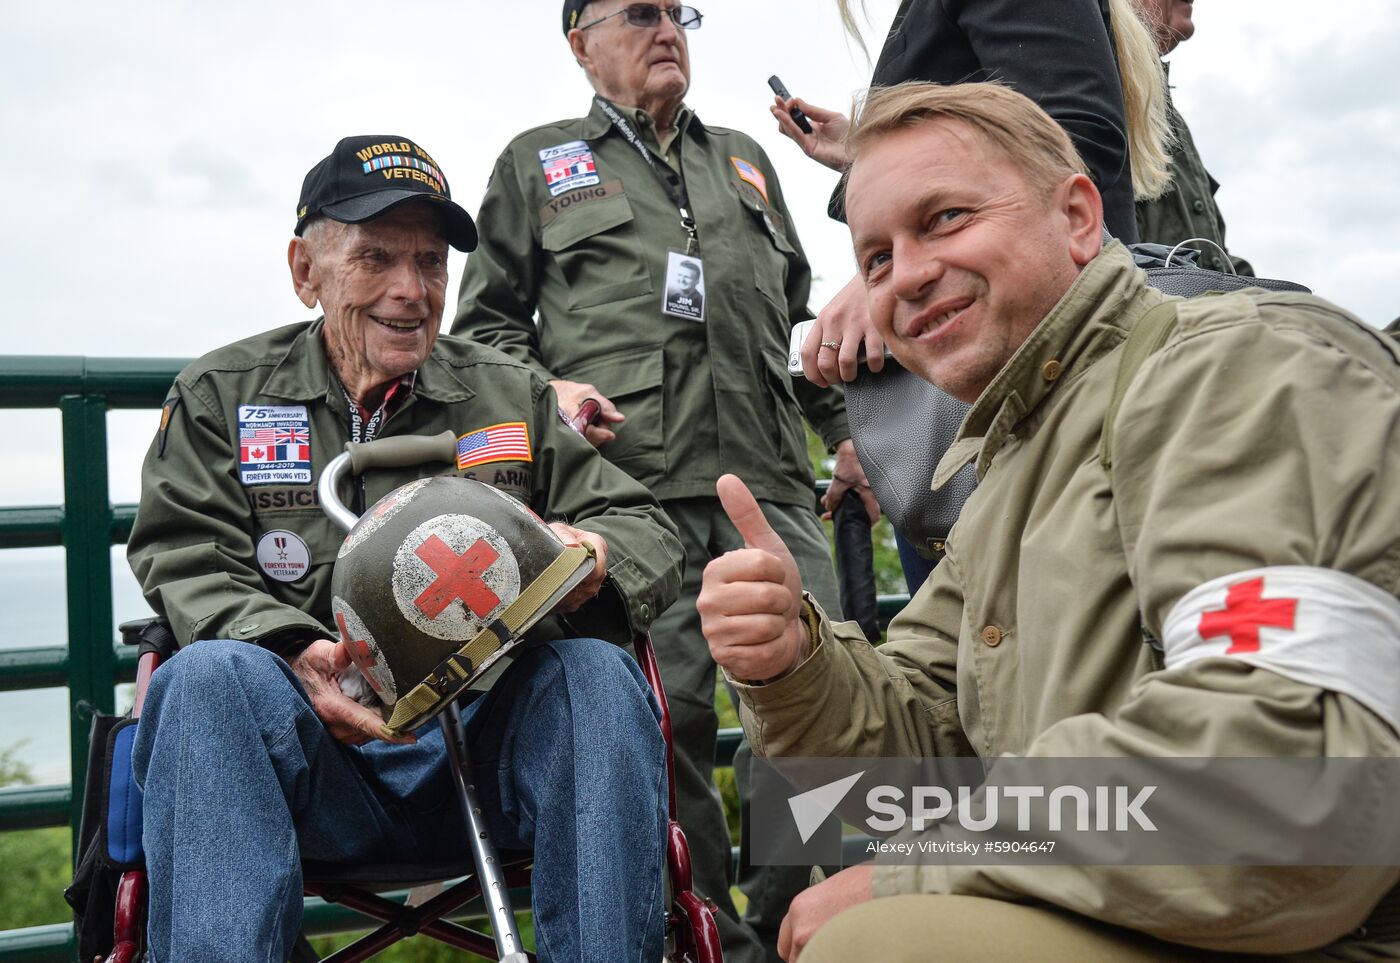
438,580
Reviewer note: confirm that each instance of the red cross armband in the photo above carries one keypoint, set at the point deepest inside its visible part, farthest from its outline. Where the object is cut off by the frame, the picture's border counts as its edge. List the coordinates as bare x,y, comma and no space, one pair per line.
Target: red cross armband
1317,626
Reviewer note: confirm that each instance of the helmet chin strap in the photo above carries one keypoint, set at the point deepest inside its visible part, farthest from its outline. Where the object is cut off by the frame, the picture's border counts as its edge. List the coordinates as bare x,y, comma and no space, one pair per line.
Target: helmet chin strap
453,673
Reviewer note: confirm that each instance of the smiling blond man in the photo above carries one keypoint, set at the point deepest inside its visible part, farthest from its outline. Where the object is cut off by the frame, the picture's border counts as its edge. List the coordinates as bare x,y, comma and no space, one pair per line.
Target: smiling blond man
1095,598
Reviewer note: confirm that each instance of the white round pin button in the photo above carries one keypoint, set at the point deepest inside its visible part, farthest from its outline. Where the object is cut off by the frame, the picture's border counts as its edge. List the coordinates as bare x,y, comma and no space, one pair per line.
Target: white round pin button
283,556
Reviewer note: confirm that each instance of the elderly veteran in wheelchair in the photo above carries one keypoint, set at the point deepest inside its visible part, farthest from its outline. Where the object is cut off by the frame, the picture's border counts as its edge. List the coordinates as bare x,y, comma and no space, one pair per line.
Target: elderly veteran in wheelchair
251,754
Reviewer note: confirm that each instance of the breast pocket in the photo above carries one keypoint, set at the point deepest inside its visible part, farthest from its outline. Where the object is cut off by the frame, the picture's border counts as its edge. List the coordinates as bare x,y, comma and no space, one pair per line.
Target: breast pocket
769,246
599,252
632,380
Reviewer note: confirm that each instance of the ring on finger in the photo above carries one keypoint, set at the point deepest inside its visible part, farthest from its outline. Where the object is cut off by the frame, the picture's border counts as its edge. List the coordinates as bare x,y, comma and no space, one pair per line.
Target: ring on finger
833,345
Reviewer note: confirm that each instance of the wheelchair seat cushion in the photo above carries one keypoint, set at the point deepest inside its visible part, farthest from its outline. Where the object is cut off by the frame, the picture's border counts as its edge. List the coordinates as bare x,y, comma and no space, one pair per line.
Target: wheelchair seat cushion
121,824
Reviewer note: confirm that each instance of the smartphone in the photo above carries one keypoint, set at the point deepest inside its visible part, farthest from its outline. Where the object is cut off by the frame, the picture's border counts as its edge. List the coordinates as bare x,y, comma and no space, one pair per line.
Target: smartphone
798,117
799,335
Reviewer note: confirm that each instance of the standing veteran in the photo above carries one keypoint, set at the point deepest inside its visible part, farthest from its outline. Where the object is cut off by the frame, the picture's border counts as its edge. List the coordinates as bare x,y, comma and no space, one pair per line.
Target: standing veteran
584,224
251,757
1256,450
1187,208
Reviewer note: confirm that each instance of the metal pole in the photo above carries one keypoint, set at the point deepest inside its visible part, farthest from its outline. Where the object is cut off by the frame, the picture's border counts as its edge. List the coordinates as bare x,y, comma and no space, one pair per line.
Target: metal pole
494,891
87,540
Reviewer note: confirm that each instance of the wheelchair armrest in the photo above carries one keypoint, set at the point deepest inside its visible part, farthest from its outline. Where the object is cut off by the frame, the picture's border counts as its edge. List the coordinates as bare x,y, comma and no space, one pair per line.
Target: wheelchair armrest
152,634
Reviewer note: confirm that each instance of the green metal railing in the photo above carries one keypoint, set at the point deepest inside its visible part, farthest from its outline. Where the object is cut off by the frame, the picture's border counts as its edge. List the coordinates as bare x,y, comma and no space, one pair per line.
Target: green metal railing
92,662
86,525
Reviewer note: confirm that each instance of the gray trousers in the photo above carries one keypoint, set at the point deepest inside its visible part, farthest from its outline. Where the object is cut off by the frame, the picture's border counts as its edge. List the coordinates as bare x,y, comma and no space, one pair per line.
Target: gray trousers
689,676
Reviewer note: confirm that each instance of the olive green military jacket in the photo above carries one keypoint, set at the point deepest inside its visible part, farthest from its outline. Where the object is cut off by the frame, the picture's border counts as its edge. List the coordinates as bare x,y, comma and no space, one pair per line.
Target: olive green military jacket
231,543
1263,434
701,398
1187,209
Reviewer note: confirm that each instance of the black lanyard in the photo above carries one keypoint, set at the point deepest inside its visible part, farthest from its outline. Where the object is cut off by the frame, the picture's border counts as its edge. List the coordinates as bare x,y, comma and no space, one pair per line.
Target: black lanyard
360,429
671,182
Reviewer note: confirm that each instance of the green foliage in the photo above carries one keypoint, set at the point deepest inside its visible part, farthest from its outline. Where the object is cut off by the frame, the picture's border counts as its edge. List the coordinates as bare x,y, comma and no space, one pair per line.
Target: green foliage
36,862
37,868
13,770
889,576
724,778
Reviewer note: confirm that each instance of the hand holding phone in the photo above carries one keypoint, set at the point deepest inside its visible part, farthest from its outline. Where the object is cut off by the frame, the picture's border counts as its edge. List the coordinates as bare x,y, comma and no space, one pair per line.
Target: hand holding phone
799,118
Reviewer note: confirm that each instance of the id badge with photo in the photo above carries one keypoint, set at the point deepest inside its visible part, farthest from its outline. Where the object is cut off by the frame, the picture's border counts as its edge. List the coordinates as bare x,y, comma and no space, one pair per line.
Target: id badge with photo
685,287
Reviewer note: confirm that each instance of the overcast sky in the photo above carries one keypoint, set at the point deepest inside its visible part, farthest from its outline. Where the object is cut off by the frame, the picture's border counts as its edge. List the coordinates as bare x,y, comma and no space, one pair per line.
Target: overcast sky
158,148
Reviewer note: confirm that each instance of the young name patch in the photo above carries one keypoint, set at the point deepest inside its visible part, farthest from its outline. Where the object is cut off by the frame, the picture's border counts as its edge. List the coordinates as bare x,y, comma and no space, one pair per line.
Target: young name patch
274,444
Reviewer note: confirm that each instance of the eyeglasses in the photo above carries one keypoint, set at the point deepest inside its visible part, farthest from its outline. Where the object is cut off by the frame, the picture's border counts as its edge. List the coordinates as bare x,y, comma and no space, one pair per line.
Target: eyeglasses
649,15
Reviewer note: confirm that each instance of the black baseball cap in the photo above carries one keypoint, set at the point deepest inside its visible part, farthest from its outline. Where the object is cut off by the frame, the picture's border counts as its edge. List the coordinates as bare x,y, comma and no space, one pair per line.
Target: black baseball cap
369,175
572,8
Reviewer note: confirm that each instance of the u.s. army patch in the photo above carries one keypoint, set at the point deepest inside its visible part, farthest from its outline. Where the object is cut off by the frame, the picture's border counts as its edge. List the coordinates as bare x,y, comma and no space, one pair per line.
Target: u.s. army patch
274,444
568,167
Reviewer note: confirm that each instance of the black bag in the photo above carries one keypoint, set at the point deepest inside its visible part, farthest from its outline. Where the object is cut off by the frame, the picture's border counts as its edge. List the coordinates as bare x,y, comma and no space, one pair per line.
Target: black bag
109,836
104,835
902,426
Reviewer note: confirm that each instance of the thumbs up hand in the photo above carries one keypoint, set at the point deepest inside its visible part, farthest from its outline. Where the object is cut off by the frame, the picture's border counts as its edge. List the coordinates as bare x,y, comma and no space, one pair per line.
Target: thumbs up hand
751,598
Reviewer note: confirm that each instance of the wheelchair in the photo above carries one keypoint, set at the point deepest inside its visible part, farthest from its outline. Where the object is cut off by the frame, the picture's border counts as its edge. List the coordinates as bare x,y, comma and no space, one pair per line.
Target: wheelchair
113,840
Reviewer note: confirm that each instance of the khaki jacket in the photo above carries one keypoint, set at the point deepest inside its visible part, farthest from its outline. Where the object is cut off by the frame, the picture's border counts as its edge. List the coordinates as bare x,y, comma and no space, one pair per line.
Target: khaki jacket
194,546
1263,434
701,398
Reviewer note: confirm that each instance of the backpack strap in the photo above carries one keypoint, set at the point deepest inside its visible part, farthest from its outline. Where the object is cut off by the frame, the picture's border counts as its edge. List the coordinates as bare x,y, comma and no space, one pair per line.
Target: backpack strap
1147,337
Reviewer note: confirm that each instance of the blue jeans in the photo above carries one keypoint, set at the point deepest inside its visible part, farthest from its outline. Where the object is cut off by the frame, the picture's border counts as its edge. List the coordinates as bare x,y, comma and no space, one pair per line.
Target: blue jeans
242,782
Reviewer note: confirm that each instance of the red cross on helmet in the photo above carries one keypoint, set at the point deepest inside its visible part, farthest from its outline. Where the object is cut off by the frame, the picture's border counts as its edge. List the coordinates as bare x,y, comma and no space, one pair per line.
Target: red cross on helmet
437,581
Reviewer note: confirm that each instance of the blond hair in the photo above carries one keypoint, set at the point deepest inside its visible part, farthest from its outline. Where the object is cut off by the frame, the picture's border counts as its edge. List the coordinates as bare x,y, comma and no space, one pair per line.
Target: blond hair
1144,101
1012,123
848,21
1144,86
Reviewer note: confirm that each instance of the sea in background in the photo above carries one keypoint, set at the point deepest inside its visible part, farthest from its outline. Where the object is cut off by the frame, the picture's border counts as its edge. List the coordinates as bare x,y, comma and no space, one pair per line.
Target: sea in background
35,614
33,604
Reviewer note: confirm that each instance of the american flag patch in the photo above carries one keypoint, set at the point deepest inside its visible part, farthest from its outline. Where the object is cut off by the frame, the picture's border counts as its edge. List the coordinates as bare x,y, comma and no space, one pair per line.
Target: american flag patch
747,172
505,442
568,166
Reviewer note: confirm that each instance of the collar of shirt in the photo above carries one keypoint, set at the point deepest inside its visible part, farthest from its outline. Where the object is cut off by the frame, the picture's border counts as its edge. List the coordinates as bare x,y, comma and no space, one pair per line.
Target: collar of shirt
304,374
596,125
394,397
647,127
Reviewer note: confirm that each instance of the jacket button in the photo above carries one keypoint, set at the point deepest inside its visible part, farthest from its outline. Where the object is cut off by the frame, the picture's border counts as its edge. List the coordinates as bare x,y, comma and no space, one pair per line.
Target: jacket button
1052,370
992,636
1199,206
646,610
